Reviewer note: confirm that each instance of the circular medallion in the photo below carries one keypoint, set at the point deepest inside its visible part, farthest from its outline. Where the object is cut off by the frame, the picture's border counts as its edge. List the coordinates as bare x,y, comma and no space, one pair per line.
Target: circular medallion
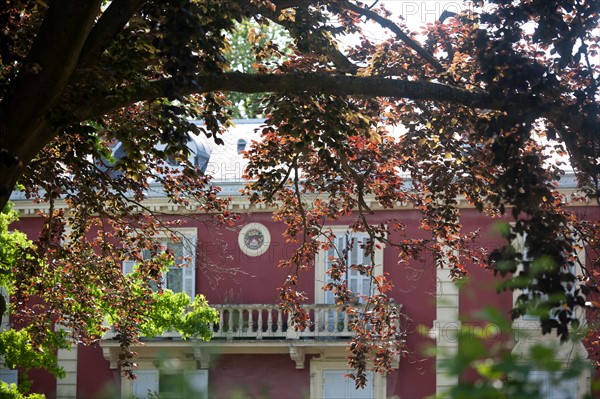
254,239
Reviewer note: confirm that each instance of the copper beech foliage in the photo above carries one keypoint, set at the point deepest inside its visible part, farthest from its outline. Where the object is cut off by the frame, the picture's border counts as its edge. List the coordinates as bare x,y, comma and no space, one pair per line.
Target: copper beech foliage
490,101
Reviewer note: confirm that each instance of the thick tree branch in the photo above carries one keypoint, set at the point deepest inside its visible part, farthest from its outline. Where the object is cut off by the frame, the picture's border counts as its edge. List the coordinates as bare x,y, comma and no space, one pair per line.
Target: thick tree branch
382,21
112,21
42,78
386,23
290,83
45,72
331,84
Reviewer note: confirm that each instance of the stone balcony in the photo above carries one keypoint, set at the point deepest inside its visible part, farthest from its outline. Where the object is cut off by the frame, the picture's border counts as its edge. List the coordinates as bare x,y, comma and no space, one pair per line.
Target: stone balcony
257,321
249,329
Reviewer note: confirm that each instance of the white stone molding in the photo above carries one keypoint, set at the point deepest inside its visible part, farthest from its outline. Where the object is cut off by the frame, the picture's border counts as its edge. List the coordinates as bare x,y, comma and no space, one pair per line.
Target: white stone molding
66,388
297,354
335,360
445,328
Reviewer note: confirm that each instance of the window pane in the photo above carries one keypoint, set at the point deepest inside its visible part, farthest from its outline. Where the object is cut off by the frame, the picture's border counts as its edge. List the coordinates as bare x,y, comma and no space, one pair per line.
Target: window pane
366,286
337,386
175,279
9,376
354,252
353,286
146,382
177,248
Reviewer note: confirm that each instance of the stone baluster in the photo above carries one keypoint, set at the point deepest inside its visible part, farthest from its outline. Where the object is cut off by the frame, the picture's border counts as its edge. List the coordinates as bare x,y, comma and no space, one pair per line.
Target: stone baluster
279,321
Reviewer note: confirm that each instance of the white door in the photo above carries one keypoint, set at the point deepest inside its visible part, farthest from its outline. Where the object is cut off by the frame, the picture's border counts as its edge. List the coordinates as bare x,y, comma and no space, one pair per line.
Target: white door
337,386
146,381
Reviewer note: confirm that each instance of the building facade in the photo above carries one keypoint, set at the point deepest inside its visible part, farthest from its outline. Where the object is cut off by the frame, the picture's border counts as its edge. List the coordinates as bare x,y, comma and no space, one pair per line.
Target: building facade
255,352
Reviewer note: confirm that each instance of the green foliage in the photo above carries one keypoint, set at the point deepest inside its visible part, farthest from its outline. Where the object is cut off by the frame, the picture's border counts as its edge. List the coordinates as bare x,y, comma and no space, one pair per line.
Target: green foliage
254,47
10,391
11,245
18,351
17,346
498,372
176,312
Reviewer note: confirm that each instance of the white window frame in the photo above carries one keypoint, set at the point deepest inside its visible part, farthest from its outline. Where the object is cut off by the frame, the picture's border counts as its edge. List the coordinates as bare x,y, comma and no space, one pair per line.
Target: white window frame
151,378
318,366
527,333
519,244
552,386
322,262
189,239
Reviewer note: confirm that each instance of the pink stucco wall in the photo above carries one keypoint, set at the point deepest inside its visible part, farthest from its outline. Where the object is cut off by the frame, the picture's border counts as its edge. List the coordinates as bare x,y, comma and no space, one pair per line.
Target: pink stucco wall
229,276
257,376
95,379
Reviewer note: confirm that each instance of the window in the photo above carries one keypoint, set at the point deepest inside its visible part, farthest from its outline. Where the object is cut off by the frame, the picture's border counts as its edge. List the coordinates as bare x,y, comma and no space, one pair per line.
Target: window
552,386
9,376
241,145
170,384
528,334
525,267
337,386
535,297
330,382
348,246
181,275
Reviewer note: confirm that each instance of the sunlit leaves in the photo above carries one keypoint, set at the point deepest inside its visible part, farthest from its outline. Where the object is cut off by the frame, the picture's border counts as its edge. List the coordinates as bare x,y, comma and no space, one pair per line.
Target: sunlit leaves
176,312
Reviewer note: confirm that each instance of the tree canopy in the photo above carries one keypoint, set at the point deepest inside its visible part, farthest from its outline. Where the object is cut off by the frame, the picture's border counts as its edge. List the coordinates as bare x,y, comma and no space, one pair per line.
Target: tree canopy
490,101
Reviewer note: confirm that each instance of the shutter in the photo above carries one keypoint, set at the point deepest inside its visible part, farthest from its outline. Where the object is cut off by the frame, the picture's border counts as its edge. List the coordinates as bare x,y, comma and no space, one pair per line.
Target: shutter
128,266
197,383
334,252
189,271
354,258
358,283
146,381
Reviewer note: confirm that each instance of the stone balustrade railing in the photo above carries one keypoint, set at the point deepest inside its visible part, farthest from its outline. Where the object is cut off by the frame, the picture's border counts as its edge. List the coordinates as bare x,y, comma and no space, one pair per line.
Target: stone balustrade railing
260,321
256,321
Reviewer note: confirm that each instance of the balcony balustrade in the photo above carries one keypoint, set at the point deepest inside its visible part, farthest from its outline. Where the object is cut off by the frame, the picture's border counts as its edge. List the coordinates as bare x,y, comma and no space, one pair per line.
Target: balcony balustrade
255,321
270,322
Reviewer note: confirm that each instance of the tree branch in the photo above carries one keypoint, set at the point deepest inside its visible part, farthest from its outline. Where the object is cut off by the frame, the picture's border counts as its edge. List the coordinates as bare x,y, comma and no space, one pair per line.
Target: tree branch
289,83
41,79
330,51
112,21
386,23
45,72
316,83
